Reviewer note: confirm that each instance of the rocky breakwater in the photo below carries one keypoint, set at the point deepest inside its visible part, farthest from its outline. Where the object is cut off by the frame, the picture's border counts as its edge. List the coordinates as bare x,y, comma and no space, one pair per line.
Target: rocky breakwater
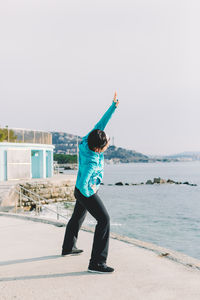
157,180
163,181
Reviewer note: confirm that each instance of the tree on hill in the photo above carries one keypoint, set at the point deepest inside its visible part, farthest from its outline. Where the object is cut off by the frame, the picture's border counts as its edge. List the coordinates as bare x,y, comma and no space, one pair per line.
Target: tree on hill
65,158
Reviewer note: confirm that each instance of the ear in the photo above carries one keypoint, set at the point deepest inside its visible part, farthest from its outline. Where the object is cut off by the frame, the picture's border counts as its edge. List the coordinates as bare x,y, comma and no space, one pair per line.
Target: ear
96,149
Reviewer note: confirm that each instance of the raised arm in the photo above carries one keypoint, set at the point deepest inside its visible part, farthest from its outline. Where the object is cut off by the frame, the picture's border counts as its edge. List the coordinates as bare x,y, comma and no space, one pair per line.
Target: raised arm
107,115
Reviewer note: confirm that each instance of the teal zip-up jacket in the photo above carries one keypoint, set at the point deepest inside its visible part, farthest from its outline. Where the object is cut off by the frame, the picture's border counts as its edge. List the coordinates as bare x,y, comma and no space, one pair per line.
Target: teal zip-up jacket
91,163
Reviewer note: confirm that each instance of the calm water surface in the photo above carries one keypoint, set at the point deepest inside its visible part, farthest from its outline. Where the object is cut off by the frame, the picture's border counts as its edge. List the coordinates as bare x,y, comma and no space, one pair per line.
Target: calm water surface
167,215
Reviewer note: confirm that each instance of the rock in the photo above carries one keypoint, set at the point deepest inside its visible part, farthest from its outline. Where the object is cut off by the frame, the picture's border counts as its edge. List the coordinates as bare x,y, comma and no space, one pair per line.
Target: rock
101,183
54,195
170,181
119,183
43,191
163,181
141,182
126,183
186,182
110,184
47,185
47,196
68,183
33,206
156,180
149,182
159,180
164,254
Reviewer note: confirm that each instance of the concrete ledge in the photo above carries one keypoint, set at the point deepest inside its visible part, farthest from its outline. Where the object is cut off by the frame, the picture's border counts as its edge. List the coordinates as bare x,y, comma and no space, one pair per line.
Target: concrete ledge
175,256
33,218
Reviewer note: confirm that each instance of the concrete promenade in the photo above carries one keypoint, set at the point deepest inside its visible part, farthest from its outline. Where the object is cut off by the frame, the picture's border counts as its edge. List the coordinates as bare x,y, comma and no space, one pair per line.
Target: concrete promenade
31,267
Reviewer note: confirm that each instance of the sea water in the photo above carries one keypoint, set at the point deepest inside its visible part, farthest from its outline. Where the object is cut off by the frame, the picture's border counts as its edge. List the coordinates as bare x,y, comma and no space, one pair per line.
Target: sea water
164,214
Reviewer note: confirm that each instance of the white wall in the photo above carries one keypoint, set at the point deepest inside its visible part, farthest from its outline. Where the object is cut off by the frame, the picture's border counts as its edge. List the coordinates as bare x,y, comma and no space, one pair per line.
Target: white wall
18,163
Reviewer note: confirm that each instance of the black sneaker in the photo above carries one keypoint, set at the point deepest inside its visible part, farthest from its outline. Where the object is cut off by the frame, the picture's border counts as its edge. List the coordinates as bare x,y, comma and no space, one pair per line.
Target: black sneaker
72,252
99,268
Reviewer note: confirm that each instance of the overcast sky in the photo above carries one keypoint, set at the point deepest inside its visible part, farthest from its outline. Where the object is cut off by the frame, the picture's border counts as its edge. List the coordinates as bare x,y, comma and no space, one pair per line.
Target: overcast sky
61,61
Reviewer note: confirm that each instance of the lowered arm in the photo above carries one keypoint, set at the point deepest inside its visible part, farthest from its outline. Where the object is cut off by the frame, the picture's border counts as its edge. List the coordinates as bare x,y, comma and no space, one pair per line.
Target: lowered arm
86,174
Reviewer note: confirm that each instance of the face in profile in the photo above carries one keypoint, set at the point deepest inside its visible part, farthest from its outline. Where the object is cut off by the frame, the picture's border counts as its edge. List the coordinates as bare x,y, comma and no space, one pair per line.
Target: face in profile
104,148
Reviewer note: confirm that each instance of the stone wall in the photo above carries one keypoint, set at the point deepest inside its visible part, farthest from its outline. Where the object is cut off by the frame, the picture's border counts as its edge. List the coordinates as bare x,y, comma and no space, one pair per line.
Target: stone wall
56,189
48,191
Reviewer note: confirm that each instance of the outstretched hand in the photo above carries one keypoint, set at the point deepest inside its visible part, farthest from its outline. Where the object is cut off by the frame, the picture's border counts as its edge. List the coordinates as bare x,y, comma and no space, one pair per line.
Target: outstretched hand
115,99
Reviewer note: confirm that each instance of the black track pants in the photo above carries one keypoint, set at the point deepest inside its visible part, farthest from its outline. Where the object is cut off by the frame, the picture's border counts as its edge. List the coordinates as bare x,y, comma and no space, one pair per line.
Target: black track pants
96,208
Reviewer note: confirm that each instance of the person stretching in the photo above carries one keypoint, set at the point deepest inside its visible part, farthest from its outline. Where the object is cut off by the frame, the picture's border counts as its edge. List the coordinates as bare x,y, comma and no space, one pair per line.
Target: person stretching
89,178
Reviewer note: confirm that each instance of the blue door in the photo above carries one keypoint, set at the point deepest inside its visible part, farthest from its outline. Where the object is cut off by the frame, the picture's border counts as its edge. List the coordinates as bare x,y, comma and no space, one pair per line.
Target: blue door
36,163
48,164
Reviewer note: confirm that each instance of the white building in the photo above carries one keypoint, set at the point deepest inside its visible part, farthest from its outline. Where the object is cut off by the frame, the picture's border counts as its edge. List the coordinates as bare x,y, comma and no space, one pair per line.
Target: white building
25,154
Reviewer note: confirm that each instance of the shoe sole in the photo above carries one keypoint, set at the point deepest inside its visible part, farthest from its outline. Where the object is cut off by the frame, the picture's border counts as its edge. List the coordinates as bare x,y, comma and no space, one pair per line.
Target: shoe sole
93,271
71,254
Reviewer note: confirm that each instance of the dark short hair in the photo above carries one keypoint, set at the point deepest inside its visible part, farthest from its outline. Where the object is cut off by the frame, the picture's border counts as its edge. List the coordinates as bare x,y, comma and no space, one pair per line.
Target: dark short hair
97,139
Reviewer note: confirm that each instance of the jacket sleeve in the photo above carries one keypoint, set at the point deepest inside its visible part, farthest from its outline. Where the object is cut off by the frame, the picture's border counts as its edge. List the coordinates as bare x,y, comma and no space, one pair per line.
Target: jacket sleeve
86,174
106,117
104,120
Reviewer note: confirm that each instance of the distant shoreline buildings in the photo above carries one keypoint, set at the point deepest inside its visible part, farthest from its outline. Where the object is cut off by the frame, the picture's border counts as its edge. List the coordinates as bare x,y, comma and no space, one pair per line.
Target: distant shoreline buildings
26,154
66,143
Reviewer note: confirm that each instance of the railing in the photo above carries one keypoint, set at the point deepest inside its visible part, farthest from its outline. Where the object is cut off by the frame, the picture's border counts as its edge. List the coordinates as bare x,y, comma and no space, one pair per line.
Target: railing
37,202
17,135
56,168
60,168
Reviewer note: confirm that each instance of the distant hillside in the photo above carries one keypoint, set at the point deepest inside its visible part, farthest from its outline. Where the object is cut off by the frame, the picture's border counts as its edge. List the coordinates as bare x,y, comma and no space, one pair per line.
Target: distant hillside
122,155
66,143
